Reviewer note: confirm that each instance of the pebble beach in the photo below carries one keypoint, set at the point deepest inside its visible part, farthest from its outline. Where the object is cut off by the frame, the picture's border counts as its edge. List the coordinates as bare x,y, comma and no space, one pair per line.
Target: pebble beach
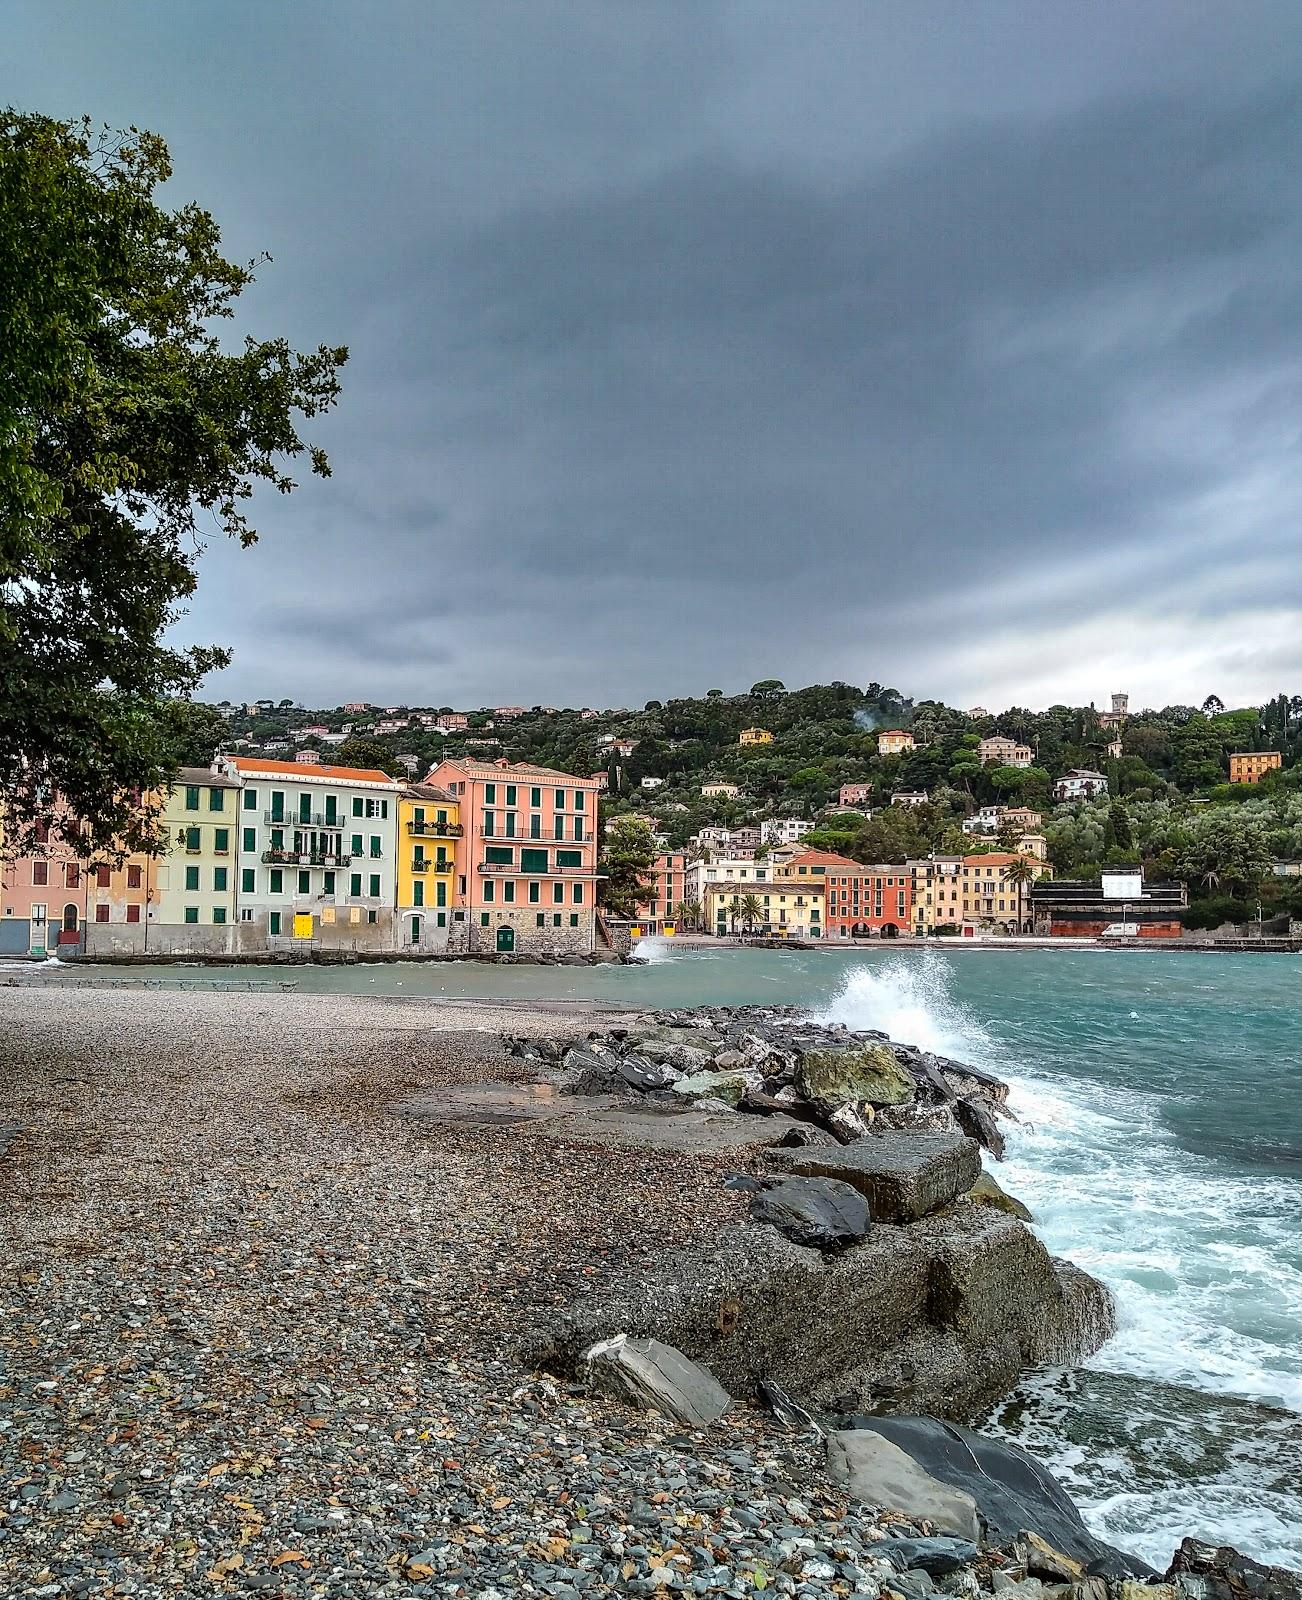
257,1332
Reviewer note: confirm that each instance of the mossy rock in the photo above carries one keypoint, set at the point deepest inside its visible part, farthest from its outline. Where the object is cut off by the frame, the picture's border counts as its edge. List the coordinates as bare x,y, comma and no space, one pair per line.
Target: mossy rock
987,1192
861,1072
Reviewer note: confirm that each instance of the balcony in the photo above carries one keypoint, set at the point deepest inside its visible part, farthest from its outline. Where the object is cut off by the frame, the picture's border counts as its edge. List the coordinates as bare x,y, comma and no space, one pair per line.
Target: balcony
498,866
536,872
436,830
298,858
296,819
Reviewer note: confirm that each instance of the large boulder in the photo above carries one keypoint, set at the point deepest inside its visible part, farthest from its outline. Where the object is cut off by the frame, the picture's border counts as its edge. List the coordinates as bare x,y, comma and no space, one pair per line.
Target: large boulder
1012,1490
986,1191
1219,1572
879,1473
728,1087
819,1212
904,1176
647,1373
863,1071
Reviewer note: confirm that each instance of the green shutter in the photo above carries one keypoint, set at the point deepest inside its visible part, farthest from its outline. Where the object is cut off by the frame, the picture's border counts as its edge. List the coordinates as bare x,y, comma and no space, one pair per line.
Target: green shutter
192,913
440,895
508,891
356,845
500,854
305,882
375,885
246,880
192,797
418,893
222,841
329,883
216,800
250,839
192,838
277,881
250,799
533,860
273,923
219,914
569,858
355,885
191,878
219,880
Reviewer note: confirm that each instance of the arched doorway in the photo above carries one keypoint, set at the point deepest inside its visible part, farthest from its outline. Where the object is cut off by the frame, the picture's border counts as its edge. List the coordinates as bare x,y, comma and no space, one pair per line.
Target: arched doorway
505,940
890,931
414,934
69,929
859,931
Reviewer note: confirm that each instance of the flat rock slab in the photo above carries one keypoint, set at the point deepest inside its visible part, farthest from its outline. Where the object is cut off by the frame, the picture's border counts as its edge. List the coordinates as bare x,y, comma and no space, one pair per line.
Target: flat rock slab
823,1213
647,1373
880,1473
904,1176
611,1119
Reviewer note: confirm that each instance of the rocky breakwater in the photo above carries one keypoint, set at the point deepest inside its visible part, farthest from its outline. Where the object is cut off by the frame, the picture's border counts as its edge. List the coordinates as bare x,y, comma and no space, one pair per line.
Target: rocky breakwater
879,1269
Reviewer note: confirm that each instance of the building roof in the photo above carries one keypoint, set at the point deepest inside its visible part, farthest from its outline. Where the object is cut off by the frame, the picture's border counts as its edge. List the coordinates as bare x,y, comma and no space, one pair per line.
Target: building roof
310,772
766,886
428,791
498,769
820,858
205,775
996,858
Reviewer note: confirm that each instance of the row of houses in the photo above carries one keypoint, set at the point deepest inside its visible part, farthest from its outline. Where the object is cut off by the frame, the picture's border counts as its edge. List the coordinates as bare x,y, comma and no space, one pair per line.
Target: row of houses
264,857
817,894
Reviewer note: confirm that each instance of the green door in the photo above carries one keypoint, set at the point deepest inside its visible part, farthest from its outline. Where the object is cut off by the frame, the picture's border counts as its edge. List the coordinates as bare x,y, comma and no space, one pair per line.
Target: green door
505,939
415,930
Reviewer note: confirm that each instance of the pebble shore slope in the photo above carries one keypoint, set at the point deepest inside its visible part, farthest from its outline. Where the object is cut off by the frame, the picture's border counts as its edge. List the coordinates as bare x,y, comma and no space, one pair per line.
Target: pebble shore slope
255,1331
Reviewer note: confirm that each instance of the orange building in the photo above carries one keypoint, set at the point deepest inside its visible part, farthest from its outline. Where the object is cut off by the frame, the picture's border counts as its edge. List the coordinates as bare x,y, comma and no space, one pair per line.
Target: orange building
894,742
1248,766
668,891
526,863
863,902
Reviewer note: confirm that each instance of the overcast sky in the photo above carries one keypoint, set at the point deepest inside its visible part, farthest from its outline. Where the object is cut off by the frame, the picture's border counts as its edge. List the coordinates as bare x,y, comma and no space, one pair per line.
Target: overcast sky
952,345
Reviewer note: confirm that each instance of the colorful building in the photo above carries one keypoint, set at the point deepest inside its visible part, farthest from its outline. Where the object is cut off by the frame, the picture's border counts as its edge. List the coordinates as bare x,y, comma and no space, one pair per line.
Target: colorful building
894,742
318,855
997,890
784,909
862,902
1249,766
429,825
669,889
755,736
526,874
1081,783
855,794
937,893
43,894
996,751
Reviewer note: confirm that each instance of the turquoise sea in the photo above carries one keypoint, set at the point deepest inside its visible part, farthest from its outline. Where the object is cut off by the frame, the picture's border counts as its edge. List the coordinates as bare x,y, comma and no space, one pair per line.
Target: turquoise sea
1159,1146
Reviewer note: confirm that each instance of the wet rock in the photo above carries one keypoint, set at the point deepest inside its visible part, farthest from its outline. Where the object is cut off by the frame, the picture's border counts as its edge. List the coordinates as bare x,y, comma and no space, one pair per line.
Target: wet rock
880,1473
645,1075
1041,1560
820,1212
919,1116
976,1120
647,1373
1219,1572
1011,1489
852,1074
987,1192
904,1176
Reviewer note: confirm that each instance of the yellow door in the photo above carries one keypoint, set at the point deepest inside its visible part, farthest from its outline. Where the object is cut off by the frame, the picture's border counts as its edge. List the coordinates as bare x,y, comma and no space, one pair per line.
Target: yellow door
302,924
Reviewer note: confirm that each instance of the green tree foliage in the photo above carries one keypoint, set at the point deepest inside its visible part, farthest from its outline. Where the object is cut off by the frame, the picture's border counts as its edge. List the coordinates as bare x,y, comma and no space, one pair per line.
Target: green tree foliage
366,753
127,432
627,856
1225,850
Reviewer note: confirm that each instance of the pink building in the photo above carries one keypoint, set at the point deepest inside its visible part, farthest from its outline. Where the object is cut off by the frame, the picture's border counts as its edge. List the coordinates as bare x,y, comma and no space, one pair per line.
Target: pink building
855,794
669,889
43,896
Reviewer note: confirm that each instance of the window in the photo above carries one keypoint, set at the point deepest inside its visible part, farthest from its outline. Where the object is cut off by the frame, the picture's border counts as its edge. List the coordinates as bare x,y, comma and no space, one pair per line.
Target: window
40,872
277,884
535,893
510,824
355,847
219,914
133,877
483,919
222,841
569,858
578,799
556,920
503,855
490,892
192,841
371,917
533,860
101,913
219,880
191,878
541,919
249,839
355,884
560,800
133,913
578,894
71,875
508,891
418,893
535,826
559,829
246,915
216,800
192,913
328,883
273,923
440,895
247,880
510,794
192,797
357,805
305,882
278,804
535,798
574,919
375,885
487,829
375,846
103,877
277,838
558,893
578,827
490,794
442,919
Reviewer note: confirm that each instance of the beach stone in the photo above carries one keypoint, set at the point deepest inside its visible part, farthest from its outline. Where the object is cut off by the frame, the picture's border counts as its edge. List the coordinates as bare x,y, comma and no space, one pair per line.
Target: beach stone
647,1075
976,1120
904,1176
648,1373
987,1191
726,1087
880,1473
1043,1561
820,1212
865,1071
1218,1572
936,1555
1010,1488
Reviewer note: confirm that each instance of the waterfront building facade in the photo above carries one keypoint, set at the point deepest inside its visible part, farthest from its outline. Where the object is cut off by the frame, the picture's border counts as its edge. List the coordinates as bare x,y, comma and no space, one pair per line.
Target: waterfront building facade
429,826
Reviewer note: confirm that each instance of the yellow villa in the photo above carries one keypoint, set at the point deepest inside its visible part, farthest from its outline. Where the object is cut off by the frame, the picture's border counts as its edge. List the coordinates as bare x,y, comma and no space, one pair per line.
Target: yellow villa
429,824
192,895
755,736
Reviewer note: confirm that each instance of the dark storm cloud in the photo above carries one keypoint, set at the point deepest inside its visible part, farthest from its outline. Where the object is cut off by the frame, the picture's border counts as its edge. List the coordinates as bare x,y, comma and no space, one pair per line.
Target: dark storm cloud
700,344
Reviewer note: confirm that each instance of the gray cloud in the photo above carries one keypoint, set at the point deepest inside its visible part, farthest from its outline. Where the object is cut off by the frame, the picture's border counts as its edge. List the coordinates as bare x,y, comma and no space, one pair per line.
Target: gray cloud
697,344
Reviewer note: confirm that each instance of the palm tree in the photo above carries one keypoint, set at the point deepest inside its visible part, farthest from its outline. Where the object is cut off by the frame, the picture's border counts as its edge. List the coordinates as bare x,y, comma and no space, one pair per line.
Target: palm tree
751,911
689,913
1020,873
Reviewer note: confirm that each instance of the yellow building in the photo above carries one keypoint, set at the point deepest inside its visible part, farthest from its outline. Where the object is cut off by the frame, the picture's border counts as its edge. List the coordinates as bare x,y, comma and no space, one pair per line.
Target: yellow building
755,736
894,742
192,888
997,890
429,824
1249,766
937,893
785,910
